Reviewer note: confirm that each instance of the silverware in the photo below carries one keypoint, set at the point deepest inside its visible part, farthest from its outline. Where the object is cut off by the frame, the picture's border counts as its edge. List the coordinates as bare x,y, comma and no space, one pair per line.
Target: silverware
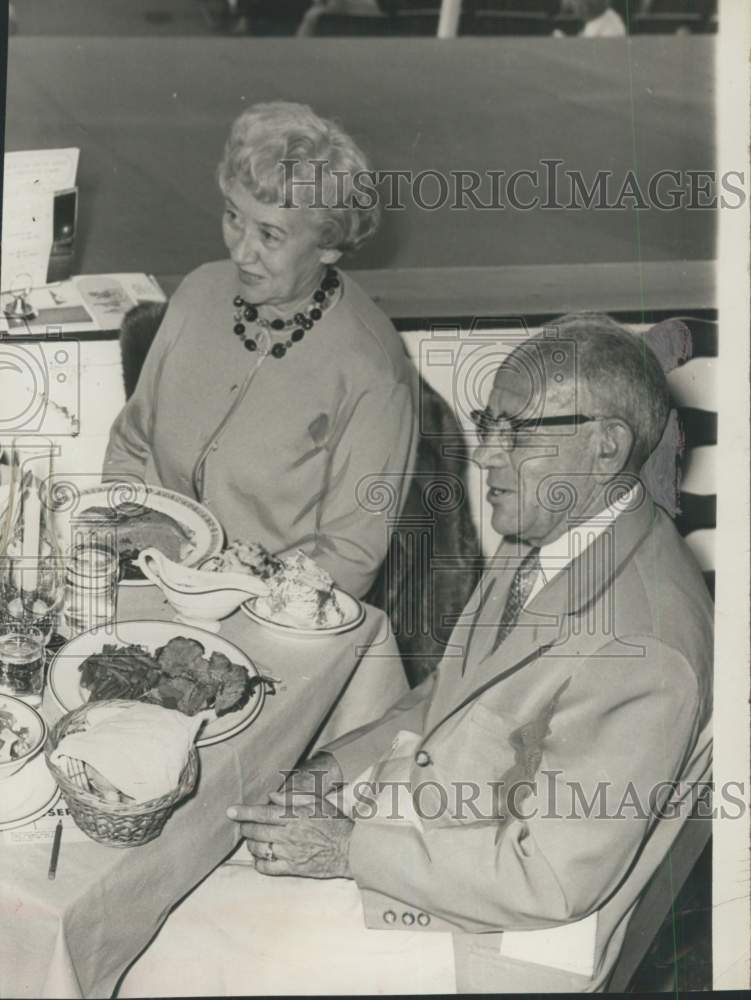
52,871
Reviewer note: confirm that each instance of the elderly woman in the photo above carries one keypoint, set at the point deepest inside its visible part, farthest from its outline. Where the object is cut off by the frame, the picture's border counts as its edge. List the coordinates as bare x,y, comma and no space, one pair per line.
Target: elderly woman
275,387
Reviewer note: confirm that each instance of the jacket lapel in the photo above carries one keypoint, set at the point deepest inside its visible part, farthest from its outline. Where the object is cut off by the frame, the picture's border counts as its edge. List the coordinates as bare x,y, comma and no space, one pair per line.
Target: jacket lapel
546,620
475,629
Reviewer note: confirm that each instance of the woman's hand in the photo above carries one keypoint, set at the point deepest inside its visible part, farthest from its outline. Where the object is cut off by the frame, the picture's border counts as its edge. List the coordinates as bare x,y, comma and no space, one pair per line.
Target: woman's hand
290,836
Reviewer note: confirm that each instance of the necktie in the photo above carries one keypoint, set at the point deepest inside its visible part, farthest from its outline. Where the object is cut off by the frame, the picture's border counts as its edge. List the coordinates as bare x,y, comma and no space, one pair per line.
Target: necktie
519,591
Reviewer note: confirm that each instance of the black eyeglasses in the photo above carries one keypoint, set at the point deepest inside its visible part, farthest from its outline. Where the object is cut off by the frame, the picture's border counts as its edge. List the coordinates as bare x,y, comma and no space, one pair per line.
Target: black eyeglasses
508,430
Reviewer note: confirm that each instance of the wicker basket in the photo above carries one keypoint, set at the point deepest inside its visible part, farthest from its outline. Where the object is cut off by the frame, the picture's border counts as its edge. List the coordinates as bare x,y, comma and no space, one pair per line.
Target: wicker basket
119,824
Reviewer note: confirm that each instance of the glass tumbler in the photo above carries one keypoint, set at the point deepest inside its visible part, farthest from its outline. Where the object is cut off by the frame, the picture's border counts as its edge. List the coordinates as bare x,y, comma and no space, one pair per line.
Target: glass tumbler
91,587
22,664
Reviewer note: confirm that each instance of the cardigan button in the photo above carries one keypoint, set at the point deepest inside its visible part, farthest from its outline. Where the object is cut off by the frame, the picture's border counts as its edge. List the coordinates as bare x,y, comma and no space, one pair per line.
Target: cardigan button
408,918
423,758
389,917
423,919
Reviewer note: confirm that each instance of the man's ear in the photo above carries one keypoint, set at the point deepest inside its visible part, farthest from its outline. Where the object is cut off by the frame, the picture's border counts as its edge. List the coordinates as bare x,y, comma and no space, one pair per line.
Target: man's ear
616,444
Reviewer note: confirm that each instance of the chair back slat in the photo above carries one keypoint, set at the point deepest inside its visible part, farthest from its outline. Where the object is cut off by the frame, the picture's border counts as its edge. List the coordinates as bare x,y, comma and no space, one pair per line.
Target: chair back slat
699,471
695,384
702,544
699,426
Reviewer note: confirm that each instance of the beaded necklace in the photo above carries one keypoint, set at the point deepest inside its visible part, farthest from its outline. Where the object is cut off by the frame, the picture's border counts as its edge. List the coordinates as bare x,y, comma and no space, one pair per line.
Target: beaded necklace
299,324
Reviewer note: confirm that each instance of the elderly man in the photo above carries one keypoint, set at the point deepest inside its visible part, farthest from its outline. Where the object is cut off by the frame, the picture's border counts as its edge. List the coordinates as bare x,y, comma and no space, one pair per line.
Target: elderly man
493,831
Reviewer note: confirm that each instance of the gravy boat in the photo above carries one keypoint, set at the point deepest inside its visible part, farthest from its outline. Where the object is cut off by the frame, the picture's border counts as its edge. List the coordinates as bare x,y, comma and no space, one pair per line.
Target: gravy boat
198,596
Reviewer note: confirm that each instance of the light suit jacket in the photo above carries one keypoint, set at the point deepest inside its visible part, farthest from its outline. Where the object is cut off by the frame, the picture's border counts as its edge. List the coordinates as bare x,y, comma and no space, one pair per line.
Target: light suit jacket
563,734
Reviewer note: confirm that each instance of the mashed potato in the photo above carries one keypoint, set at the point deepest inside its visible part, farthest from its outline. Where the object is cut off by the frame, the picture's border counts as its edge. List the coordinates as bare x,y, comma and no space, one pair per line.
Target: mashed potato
301,594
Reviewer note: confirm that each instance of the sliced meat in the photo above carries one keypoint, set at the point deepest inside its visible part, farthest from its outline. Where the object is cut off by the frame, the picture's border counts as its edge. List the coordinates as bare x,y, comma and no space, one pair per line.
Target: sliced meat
186,695
180,655
152,527
219,667
178,676
235,690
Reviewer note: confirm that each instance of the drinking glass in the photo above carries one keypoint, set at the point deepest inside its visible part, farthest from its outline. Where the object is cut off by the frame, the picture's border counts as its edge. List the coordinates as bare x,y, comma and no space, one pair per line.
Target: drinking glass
22,664
21,609
91,586
31,565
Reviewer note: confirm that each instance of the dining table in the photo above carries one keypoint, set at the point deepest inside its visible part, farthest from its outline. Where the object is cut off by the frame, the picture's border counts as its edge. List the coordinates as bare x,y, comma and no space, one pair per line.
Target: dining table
75,936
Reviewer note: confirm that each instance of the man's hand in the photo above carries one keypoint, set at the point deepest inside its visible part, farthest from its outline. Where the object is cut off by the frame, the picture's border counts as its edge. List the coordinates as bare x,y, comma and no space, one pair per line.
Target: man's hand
307,837
317,776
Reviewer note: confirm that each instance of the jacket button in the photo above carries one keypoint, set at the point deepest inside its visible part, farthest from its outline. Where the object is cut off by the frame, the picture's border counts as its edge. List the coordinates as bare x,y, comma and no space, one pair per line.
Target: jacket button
389,916
423,919
408,918
422,758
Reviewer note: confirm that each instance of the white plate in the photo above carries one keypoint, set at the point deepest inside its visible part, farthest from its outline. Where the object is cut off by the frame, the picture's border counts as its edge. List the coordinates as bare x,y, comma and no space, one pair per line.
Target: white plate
354,613
27,795
64,677
208,537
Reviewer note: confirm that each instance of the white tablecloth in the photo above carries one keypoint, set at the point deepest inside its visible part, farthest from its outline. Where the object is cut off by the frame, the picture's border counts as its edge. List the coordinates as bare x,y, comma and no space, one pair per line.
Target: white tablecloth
73,937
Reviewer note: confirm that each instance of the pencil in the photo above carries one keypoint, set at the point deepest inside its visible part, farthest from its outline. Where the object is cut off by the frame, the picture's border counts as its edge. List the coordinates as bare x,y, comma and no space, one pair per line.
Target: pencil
55,850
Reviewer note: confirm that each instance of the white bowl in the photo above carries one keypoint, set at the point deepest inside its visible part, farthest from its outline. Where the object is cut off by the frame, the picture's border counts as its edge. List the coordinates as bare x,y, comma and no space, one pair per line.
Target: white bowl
30,719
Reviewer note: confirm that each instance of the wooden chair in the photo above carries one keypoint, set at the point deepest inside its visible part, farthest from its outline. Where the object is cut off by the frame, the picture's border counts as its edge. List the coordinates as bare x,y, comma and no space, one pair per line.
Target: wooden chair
656,912
694,392
434,560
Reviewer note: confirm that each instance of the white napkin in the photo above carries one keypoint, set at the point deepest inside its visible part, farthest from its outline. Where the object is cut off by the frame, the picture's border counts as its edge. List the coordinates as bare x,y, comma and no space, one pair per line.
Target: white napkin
141,749
570,947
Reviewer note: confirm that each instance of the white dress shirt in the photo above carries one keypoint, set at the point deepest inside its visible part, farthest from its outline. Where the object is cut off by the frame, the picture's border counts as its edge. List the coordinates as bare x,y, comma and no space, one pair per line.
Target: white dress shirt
557,555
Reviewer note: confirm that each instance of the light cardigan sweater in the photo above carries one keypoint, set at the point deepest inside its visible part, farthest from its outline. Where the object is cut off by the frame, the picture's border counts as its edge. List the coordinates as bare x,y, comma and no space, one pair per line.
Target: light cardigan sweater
286,452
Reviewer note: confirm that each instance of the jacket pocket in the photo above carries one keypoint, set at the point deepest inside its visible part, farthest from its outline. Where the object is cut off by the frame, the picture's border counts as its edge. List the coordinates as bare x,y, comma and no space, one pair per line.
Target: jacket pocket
470,762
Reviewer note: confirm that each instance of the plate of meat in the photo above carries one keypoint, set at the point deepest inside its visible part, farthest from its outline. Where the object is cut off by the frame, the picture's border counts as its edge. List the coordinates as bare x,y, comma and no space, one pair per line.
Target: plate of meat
163,663
142,516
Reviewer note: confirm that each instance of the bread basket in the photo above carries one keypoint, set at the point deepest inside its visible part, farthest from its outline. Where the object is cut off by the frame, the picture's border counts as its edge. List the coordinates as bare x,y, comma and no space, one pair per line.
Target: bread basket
118,824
